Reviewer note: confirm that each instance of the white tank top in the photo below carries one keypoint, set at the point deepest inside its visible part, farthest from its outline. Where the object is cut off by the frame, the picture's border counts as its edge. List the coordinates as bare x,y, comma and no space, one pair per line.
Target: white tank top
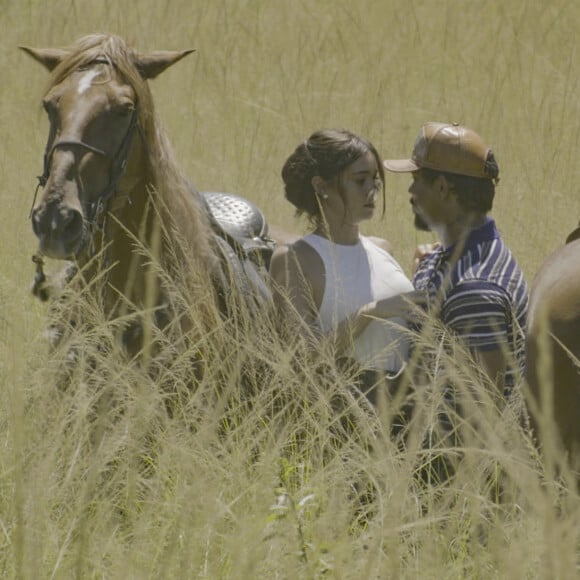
356,275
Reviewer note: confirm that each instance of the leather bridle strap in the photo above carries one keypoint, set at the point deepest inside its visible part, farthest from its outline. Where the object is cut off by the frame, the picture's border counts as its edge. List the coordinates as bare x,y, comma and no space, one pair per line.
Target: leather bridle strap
43,179
118,165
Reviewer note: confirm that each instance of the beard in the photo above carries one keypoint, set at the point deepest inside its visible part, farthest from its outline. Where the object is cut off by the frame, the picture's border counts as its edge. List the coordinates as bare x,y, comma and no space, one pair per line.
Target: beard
421,224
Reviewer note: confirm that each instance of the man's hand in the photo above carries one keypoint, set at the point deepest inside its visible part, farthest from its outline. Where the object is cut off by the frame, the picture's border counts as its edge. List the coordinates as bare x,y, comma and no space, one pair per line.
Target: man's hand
422,251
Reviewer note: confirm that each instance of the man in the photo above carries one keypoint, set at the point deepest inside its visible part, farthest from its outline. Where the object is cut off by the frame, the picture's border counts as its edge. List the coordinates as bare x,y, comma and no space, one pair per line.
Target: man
472,279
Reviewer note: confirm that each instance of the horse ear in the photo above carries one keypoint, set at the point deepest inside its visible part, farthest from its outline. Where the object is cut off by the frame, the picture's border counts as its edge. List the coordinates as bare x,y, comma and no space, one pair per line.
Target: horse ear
154,63
575,235
50,58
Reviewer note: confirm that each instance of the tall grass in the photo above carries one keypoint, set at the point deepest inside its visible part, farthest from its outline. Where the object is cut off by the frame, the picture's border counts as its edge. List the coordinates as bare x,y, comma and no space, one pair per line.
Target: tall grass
284,474
267,465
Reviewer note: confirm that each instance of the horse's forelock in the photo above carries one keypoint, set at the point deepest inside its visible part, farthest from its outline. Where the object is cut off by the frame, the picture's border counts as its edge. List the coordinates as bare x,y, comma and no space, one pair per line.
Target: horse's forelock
115,50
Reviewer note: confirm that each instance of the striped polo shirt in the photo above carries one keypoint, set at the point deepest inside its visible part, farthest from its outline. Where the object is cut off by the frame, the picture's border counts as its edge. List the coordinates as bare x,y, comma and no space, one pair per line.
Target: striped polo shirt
481,294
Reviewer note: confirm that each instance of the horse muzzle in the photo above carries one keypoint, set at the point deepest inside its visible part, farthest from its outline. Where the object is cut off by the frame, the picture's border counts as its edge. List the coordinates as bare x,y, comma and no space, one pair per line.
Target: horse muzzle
60,230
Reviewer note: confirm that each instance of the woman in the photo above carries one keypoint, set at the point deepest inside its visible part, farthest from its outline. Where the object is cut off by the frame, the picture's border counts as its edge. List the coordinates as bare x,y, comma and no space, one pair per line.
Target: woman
338,281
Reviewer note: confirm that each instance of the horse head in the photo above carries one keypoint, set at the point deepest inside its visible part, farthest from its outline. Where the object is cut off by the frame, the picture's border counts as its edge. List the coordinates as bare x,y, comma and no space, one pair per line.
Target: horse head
97,106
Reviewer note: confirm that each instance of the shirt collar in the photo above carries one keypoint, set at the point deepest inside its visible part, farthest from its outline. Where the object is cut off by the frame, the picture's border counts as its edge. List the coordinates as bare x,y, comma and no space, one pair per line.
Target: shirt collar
483,233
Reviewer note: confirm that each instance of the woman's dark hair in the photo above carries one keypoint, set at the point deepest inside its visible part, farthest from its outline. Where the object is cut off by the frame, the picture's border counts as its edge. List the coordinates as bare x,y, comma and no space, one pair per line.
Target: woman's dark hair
326,153
473,193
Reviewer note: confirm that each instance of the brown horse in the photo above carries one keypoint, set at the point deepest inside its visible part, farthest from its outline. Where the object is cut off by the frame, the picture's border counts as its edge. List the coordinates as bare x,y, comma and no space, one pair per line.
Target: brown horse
113,200
553,349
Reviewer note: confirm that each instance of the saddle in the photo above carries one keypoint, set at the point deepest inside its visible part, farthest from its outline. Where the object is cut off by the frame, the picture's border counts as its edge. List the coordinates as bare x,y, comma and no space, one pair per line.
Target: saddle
241,236
242,224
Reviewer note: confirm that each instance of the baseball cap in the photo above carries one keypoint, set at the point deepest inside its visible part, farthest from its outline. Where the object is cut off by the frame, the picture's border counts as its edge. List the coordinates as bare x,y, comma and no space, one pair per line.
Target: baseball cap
447,147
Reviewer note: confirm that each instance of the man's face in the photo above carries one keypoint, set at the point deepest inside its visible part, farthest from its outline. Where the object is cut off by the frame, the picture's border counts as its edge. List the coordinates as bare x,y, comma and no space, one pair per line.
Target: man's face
425,201
421,224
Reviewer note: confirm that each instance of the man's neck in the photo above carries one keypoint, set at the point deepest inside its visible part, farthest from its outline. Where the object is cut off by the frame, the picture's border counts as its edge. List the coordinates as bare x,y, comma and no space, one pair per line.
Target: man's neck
459,229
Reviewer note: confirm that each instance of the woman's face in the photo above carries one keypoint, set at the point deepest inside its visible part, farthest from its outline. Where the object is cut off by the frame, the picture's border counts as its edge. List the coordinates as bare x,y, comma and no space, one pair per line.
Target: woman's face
352,195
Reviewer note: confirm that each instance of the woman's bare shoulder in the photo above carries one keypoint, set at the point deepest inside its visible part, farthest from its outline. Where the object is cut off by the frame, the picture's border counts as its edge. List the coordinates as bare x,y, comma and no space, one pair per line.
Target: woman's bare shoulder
298,256
299,269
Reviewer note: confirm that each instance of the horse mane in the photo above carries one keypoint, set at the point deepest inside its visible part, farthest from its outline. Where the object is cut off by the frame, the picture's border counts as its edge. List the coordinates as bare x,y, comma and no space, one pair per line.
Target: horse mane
181,209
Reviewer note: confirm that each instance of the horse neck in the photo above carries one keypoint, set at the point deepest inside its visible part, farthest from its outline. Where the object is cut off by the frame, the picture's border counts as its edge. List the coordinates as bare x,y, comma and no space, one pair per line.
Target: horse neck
145,211
111,264
134,231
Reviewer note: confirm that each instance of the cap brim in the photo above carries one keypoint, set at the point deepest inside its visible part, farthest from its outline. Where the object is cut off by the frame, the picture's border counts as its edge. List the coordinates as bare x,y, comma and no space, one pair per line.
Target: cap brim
400,165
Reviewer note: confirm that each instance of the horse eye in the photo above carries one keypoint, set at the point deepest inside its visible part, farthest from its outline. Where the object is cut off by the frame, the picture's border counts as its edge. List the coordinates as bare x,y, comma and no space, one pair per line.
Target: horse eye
125,109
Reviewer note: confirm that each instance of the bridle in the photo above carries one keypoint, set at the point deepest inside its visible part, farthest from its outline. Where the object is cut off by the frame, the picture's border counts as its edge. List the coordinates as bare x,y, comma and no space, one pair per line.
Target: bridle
119,162
91,210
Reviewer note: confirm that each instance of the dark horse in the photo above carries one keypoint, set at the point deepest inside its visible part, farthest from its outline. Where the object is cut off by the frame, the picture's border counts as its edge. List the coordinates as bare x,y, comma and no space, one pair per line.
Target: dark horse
553,348
113,201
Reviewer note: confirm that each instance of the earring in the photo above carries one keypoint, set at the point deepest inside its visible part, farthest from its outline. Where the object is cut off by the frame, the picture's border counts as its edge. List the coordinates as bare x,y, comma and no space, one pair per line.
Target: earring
322,195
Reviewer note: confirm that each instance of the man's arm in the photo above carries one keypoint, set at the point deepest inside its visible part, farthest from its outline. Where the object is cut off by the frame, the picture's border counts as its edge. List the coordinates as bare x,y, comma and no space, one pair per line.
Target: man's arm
478,313
493,362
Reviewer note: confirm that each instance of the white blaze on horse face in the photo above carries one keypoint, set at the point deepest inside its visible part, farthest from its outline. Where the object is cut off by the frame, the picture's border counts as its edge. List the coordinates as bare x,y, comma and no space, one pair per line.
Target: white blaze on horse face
86,81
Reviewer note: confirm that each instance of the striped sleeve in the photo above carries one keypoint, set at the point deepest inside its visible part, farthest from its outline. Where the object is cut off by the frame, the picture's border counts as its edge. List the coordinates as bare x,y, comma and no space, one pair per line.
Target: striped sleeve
479,312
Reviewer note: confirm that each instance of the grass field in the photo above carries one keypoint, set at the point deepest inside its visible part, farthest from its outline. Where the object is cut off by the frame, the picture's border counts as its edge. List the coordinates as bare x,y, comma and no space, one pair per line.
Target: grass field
262,496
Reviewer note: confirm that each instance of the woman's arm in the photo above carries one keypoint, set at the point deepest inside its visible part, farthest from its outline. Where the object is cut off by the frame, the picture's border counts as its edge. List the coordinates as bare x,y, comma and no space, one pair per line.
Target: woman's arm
297,283
400,306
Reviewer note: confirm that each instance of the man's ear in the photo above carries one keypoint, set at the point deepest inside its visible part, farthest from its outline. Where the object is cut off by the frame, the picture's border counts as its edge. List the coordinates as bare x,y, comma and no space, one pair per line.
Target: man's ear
442,186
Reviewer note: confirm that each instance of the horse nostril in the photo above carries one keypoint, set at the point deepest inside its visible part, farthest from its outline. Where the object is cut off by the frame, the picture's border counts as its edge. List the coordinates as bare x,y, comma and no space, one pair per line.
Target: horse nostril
57,223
